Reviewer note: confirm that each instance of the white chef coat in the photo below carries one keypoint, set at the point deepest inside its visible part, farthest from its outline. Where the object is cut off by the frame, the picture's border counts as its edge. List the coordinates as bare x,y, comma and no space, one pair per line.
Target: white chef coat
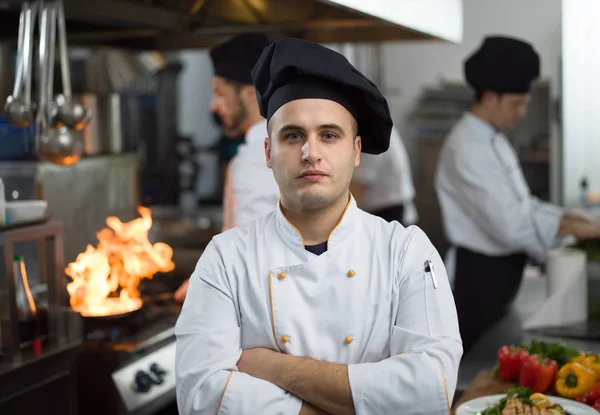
485,202
388,180
250,190
256,286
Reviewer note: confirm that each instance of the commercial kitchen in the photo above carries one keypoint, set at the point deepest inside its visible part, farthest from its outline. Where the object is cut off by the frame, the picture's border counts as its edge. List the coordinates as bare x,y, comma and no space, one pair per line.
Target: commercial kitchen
113,169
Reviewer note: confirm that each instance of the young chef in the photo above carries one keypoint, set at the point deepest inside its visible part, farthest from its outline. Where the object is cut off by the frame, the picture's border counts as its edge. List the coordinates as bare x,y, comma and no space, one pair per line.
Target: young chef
489,214
250,191
318,307
383,186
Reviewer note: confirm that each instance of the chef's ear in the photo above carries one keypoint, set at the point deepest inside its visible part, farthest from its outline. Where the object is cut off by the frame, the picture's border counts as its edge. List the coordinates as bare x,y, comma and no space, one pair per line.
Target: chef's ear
357,150
268,151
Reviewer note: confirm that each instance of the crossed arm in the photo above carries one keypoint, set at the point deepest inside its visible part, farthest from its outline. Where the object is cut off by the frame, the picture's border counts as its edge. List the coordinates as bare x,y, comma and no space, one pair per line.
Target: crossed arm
215,376
324,387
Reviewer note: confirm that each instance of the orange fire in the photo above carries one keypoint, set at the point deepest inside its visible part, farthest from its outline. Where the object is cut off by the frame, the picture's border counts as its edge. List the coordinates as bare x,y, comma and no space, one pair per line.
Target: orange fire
124,257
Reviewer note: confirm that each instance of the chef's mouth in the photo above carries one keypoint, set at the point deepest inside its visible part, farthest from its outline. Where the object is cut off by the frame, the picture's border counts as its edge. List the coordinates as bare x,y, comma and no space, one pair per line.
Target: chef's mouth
312,176
312,173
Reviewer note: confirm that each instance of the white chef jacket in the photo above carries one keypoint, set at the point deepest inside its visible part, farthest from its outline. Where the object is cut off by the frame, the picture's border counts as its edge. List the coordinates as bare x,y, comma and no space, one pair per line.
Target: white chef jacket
257,286
250,189
485,202
388,180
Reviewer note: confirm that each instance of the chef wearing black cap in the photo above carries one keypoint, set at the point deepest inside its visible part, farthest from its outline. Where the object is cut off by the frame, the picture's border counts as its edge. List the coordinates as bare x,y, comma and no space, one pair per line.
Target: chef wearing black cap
319,307
250,190
488,212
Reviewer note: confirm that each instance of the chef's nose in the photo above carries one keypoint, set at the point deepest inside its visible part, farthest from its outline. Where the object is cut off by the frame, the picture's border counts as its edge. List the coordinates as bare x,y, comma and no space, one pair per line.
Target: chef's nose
311,149
213,105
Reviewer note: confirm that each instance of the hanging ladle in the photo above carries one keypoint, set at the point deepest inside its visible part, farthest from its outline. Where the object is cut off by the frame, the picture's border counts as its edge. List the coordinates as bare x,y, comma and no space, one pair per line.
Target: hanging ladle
58,146
18,107
70,112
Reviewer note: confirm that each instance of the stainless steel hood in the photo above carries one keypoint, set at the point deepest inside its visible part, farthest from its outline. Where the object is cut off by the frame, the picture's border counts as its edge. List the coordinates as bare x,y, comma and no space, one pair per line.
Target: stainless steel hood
184,24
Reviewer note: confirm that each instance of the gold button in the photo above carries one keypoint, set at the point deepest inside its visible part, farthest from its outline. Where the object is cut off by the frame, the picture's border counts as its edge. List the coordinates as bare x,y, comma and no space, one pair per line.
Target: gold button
351,273
348,340
285,339
281,275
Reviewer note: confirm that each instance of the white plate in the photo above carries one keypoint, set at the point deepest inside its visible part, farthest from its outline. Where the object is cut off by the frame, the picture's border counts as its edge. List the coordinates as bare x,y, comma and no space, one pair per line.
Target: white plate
473,406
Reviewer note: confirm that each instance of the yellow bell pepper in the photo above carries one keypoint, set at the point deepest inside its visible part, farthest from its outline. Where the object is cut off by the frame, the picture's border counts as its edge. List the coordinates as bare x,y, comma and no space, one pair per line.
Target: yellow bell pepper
590,360
540,401
574,379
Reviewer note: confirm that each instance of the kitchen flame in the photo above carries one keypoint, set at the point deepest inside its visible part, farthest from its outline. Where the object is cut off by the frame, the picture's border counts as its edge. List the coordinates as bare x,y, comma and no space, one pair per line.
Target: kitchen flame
106,278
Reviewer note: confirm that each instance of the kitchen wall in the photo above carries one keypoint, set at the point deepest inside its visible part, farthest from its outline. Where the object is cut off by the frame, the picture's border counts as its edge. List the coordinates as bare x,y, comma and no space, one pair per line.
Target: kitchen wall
408,67
581,102
194,118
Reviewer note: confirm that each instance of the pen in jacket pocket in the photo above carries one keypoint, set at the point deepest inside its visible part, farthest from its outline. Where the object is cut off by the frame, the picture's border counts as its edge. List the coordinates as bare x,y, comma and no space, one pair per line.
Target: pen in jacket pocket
429,269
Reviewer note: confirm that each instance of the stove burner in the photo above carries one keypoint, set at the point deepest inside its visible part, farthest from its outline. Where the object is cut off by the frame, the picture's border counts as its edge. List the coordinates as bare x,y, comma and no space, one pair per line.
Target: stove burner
153,319
127,365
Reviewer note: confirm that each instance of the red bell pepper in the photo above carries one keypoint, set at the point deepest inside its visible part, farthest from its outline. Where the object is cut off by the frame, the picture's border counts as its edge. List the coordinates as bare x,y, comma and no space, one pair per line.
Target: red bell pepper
591,398
538,373
510,361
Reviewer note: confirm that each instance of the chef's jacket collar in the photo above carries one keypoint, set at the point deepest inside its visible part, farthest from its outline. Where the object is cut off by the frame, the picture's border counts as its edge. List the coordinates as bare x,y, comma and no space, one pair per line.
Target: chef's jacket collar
340,233
481,127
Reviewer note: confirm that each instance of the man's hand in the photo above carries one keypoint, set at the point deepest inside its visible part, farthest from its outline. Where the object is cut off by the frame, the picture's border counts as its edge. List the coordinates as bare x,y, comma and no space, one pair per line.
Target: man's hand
182,291
321,384
579,226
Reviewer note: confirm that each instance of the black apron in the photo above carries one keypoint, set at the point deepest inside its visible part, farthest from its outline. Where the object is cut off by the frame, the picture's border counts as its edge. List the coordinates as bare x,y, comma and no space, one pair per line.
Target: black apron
390,213
484,289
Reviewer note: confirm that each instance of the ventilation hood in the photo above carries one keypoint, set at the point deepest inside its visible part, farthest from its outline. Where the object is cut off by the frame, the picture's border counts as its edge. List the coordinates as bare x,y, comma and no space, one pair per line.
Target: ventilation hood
184,24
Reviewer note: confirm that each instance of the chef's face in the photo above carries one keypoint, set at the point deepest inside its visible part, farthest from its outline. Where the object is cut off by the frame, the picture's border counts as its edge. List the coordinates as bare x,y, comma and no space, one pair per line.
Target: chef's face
312,149
228,102
507,109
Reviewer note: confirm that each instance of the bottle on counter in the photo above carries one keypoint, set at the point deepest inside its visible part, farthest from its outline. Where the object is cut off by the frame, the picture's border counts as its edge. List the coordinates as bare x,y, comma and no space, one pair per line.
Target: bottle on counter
25,303
583,191
26,308
2,204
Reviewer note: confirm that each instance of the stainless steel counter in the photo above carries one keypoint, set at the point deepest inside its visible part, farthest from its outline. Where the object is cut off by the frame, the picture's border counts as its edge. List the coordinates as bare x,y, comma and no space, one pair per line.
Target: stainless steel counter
508,331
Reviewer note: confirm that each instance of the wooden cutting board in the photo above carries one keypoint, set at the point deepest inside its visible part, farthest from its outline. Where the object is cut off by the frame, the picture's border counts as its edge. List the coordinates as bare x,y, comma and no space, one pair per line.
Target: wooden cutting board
483,384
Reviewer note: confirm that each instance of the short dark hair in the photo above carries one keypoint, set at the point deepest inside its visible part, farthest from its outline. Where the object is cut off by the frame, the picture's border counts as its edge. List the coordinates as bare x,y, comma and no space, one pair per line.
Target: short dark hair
354,128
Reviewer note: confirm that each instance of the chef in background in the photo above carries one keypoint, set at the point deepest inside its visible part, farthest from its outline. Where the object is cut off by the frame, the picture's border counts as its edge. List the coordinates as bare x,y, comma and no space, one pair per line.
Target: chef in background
250,190
383,185
489,215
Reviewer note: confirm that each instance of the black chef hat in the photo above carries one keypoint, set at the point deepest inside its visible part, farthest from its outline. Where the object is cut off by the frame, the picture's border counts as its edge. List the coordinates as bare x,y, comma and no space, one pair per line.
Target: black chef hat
503,65
234,59
291,69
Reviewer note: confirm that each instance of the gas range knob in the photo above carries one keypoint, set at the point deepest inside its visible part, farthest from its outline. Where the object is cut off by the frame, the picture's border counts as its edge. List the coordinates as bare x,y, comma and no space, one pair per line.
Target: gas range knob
143,382
157,373
155,368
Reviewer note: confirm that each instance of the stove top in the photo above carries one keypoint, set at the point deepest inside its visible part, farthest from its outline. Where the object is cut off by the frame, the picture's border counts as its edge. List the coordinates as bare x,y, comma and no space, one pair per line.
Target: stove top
153,323
128,363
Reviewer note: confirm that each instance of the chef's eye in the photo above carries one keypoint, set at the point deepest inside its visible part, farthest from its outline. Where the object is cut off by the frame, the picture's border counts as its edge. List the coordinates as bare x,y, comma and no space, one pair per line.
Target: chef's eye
329,136
293,137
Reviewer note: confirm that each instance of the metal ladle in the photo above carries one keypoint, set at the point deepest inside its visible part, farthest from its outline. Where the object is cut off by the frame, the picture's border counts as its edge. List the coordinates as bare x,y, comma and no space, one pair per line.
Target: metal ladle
57,146
18,108
71,113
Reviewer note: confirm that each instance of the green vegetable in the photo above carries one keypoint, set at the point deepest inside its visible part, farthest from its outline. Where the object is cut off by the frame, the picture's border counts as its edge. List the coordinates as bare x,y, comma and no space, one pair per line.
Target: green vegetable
519,392
559,352
495,370
591,247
